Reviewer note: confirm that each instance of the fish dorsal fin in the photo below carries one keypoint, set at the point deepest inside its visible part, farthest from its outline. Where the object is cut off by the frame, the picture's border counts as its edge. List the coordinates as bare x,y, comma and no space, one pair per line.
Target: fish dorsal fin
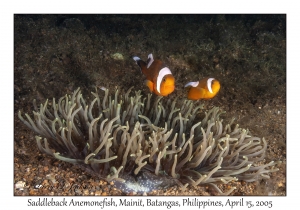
150,60
193,84
162,73
209,81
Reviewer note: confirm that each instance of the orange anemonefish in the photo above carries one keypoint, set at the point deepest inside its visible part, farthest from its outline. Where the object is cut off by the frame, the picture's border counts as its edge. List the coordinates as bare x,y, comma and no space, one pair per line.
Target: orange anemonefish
159,77
204,89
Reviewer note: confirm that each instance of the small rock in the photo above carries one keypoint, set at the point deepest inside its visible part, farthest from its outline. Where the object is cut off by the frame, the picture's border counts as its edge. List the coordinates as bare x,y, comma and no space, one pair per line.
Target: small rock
86,192
33,192
97,193
20,185
117,56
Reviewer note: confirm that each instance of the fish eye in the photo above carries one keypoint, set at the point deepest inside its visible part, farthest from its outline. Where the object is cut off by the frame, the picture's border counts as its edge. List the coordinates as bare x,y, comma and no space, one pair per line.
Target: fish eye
164,80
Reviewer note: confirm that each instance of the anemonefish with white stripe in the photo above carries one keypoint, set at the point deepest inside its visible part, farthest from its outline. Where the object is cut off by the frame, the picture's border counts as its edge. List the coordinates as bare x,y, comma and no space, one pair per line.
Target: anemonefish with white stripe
206,88
159,77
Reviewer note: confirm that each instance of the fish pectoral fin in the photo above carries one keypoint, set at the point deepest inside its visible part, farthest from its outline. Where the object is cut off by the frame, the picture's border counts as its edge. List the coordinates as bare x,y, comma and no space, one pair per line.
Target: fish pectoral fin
150,85
202,91
196,93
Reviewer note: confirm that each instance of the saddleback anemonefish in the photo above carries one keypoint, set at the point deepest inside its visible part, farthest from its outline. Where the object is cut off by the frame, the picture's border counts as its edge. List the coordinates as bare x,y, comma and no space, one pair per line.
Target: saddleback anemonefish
204,89
159,77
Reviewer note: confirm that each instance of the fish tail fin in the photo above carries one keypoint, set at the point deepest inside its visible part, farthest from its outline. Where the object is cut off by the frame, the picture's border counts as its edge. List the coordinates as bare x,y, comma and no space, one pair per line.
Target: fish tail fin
139,62
136,58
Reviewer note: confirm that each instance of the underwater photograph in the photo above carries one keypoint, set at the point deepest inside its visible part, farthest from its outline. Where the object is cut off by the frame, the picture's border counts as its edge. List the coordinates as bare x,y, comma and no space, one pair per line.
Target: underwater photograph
149,104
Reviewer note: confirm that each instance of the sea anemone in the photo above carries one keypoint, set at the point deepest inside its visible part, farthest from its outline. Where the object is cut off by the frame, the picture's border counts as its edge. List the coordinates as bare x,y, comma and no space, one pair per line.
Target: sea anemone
145,143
